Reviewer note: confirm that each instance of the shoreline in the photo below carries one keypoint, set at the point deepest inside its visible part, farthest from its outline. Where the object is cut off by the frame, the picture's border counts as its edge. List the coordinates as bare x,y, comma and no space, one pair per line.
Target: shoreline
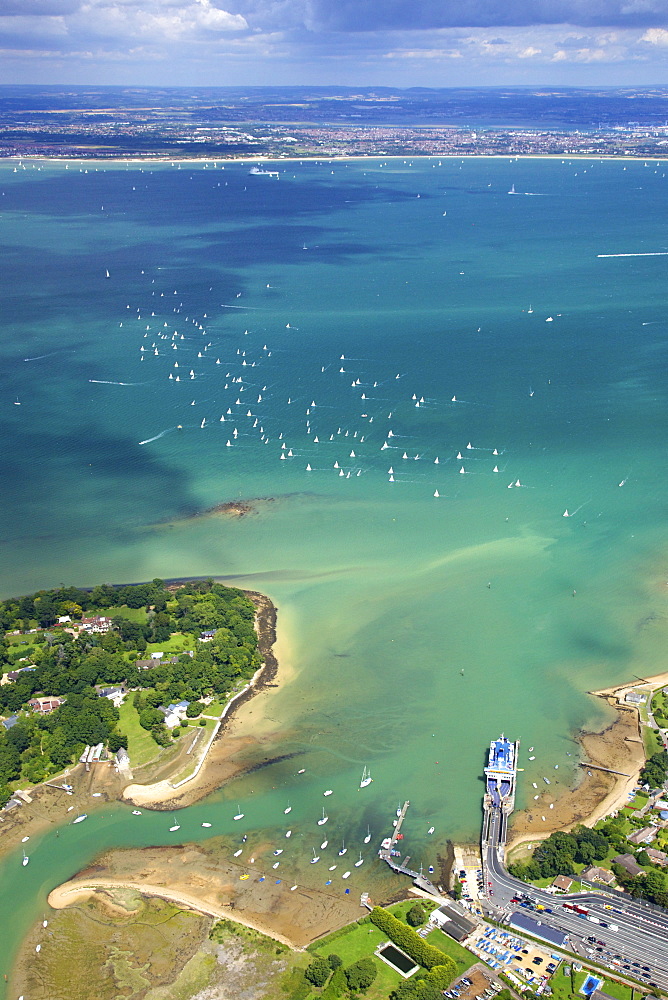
224,760
331,158
72,892
618,746
162,795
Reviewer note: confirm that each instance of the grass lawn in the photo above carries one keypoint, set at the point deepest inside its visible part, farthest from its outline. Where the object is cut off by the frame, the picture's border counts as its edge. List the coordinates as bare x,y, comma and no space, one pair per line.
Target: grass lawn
137,615
142,748
651,740
215,708
177,643
22,640
360,942
463,958
562,986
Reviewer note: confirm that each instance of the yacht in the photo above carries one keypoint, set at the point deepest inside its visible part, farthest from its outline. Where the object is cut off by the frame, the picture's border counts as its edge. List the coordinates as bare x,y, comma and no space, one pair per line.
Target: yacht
321,822
366,778
81,818
239,814
343,849
368,835
315,858
360,862
26,859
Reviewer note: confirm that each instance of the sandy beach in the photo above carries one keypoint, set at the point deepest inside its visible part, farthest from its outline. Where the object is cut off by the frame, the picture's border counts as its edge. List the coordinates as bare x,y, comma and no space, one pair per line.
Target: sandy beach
618,747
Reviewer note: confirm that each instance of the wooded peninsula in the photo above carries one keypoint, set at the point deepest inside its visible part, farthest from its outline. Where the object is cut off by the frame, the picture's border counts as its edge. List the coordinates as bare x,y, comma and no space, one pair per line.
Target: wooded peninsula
84,668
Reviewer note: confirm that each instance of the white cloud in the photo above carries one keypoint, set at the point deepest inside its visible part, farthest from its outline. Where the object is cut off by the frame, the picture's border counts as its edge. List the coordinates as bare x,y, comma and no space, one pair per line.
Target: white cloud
655,36
529,52
155,20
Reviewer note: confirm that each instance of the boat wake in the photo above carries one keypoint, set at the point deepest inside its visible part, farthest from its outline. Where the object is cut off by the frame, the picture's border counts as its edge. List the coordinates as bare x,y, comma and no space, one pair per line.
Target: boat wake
158,436
102,381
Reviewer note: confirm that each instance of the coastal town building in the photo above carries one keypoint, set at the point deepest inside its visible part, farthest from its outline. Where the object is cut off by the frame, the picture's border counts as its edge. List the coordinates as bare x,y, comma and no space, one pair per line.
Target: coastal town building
45,704
657,857
536,929
562,882
97,624
595,874
10,722
452,921
635,698
13,675
628,863
114,694
644,836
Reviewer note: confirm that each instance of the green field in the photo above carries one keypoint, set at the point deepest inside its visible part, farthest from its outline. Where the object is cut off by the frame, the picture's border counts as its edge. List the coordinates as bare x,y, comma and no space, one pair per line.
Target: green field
137,615
562,986
360,941
461,956
142,748
177,643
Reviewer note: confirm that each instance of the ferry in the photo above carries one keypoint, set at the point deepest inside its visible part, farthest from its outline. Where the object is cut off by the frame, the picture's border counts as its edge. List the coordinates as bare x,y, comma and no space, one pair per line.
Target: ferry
501,773
258,172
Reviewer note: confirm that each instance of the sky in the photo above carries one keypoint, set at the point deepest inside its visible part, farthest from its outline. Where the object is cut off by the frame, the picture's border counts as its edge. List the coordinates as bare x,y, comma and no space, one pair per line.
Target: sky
400,43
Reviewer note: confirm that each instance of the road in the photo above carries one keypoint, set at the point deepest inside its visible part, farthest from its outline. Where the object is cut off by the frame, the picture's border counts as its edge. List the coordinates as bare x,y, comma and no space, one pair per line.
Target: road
638,949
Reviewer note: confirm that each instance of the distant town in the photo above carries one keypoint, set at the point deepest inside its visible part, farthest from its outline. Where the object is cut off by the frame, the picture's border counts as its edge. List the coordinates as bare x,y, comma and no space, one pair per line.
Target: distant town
112,123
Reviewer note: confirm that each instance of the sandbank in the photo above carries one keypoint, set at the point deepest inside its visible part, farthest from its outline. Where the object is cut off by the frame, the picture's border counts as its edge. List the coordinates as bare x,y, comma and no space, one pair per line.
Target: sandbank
203,878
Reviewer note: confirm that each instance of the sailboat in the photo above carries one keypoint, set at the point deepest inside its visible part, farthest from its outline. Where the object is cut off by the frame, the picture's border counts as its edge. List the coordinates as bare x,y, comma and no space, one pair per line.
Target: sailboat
288,833
321,822
366,778
239,814
288,809
315,858
106,273
80,818
360,862
26,859
324,845
343,849
172,829
368,835
206,825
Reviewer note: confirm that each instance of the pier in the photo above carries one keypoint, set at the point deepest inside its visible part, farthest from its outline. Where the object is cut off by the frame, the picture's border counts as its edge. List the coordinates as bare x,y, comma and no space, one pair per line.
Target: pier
401,868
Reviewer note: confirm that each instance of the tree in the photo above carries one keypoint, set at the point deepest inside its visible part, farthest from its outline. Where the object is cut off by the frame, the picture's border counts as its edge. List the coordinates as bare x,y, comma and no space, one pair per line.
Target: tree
416,915
194,709
334,961
360,974
318,971
150,717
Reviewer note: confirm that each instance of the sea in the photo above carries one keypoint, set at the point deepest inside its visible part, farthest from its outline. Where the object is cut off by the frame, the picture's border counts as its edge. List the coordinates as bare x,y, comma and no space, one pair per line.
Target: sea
437,385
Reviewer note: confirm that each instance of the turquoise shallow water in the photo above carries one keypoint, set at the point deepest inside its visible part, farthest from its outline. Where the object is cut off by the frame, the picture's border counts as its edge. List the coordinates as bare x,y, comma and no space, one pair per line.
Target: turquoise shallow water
419,626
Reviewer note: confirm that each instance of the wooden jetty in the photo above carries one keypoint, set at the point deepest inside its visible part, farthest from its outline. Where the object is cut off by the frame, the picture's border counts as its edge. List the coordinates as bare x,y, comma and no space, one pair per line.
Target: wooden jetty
385,852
